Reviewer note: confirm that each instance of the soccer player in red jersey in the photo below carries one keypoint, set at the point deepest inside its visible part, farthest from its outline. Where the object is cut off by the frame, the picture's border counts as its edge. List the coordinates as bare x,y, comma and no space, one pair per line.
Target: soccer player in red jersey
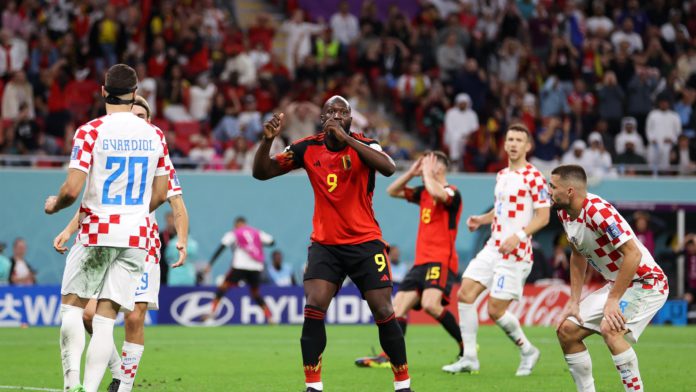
346,239
429,282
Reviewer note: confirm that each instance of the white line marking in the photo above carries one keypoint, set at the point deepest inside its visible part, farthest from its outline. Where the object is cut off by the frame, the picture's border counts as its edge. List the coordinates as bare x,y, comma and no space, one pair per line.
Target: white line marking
20,388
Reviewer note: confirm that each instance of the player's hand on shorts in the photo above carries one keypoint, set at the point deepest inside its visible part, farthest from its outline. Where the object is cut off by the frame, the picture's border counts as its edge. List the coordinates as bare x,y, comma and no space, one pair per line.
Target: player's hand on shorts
271,128
59,242
509,244
333,127
473,222
50,205
572,309
181,247
613,315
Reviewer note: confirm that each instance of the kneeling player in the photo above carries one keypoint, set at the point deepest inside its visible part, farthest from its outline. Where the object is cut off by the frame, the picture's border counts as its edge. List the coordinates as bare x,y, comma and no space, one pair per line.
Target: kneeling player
636,289
429,282
146,295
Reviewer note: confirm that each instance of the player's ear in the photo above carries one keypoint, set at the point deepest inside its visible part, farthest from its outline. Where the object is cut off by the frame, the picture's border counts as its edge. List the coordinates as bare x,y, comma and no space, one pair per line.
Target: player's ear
103,92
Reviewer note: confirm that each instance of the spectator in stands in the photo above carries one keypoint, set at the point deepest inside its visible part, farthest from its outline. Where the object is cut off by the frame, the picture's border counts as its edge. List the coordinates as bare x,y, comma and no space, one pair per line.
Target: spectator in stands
599,159
509,61
300,120
577,155
627,34
241,63
630,157
262,32
27,138
599,24
176,92
280,274
672,29
250,120
202,152
602,128
450,57
550,141
554,100
411,87
147,87
202,94
639,95
235,155
395,148
663,126
298,45
17,92
460,122
685,109
434,109
629,134
327,49
13,53
344,25
399,269
690,269
43,55
259,56
641,225
5,267
21,273
683,155
107,39
611,101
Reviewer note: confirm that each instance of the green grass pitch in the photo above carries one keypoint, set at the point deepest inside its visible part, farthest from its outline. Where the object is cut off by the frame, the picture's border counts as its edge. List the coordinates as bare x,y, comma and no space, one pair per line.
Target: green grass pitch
267,358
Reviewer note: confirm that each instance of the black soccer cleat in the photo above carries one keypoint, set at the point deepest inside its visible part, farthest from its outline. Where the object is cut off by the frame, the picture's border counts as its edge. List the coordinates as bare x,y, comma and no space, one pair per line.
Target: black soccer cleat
113,387
404,390
310,389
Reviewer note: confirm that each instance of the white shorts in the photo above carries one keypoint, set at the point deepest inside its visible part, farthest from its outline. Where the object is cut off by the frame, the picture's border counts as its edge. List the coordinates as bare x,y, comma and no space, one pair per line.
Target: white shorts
103,273
148,289
504,278
637,304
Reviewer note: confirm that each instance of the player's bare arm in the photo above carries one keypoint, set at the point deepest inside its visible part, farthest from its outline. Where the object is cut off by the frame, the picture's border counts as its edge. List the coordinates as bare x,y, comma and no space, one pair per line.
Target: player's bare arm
578,269
631,260
266,167
69,192
217,254
159,191
374,159
181,225
475,221
66,233
432,185
396,188
540,219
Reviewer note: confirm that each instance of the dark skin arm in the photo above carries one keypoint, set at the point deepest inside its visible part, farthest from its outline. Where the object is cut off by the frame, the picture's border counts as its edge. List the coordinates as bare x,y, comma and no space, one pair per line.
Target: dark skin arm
375,160
264,166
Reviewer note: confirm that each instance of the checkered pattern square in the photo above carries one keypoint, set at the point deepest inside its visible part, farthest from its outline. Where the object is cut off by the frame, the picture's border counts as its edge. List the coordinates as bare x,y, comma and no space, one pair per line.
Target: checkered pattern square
92,227
141,238
155,244
164,164
128,370
633,384
83,145
538,188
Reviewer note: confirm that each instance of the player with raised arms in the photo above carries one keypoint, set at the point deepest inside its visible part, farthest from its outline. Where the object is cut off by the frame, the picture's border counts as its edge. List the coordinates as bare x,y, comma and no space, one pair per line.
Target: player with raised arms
346,239
636,286
428,284
123,162
146,296
521,209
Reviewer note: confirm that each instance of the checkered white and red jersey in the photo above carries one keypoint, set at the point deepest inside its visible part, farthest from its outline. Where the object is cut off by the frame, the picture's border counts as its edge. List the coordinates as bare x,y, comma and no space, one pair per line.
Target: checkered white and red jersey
121,154
598,233
154,254
517,194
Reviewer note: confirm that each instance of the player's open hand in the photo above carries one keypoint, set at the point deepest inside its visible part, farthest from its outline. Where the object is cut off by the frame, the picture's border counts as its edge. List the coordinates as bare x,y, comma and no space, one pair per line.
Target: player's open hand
59,242
613,315
333,127
572,309
509,244
50,205
429,161
416,168
181,247
473,222
271,128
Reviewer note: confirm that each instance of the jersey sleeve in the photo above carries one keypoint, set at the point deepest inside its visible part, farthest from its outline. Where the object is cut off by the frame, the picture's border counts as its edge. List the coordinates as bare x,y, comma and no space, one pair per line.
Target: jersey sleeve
83,145
266,238
538,189
413,195
174,187
454,198
228,239
164,164
292,157
607,220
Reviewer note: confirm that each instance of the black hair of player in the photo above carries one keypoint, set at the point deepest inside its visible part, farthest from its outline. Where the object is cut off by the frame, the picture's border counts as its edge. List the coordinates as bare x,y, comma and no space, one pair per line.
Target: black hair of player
120,84
571,172
239,219
442,158
519,127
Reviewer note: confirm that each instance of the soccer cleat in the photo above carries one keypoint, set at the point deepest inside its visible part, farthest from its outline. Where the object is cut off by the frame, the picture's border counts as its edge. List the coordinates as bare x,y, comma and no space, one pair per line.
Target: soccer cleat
528,361
113,387
463,365
310,389
77,388
376,361
404,390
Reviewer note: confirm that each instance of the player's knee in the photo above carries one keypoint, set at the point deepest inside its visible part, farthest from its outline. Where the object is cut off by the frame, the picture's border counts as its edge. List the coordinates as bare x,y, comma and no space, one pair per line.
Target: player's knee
496,311
87,321
433,308
382,311
465,296
607,333
567,331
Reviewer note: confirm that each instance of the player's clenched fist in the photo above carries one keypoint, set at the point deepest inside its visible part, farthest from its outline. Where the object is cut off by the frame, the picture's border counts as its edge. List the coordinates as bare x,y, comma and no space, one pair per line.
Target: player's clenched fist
473,223
50,205
271,128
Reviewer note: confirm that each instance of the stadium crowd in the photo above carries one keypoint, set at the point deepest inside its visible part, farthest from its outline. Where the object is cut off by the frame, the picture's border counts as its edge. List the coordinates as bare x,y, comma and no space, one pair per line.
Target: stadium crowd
600,83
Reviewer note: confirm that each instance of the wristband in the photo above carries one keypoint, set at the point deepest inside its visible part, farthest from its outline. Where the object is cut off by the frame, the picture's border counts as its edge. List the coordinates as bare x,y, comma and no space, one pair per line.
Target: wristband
521,235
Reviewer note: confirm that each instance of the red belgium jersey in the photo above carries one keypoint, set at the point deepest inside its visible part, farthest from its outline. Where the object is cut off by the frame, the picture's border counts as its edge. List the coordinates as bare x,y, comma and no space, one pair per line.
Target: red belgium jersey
343,185
437,230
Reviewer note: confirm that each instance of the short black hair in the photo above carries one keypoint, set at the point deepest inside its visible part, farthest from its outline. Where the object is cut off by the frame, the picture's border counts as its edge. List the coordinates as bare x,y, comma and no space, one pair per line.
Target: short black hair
571,172
121,80
519,127
239,219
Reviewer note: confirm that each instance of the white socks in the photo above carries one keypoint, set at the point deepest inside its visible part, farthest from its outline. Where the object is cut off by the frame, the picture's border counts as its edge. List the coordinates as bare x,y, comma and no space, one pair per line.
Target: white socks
402,384
509,323
99,351
72,343
319,386
580,366
627,365
115,364
468,324
129,365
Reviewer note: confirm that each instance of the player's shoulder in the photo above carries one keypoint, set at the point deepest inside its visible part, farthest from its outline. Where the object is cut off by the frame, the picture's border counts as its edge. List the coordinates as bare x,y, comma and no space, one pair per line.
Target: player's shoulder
310,140
361,137
530,171
596,206
453,189
90,127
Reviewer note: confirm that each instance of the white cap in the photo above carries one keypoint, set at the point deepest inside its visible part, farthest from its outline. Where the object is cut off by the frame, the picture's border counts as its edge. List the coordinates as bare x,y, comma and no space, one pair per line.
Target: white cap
462,97
595,137
579,145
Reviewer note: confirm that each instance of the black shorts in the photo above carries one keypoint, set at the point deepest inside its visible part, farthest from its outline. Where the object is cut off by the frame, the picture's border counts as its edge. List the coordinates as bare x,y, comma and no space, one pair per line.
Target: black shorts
366,264
429,276
252,278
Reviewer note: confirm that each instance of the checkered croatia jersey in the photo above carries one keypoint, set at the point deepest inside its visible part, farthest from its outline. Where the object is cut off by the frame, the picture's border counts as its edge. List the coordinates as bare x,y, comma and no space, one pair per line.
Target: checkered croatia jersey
517,194
598,233
121,154
154,255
